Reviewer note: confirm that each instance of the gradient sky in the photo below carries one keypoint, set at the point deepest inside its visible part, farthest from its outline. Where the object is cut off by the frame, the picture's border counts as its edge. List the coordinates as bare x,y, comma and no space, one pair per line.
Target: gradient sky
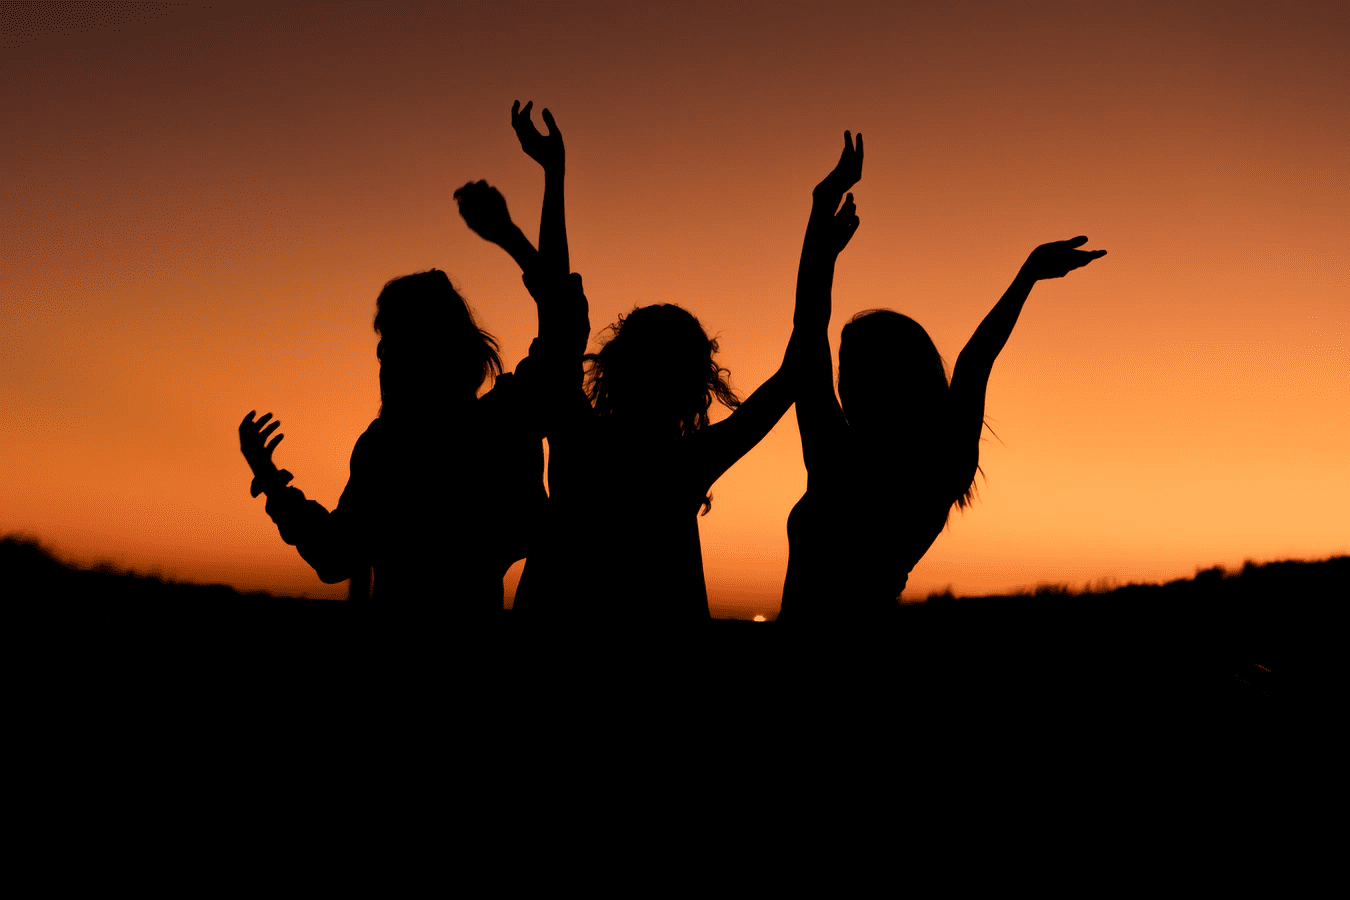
201,203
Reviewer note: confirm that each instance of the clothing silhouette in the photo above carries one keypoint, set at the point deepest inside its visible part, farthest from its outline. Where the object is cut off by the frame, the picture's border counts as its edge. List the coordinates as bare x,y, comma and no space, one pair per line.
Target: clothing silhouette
888,457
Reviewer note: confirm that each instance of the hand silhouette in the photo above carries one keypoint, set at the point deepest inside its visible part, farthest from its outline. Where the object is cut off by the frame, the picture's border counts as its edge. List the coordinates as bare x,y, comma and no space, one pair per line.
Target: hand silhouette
843,226
1058,258
253,443
547,150
484,210
849,170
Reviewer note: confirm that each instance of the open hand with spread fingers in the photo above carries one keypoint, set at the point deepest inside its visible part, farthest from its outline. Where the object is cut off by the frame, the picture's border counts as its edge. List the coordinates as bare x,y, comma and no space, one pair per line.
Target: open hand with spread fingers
1058,258
545,149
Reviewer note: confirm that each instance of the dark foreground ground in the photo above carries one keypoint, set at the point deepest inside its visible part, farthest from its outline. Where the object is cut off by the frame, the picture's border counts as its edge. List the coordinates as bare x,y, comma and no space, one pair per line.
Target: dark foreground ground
1254,639
1213,695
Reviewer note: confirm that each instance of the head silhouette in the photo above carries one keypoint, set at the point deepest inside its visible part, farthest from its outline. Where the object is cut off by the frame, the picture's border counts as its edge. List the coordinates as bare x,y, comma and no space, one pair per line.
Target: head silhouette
891,376
430,348
893,387
658,371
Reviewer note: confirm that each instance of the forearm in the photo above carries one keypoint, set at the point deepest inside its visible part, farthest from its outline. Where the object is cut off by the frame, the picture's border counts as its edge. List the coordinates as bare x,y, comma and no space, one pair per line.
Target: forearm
553,224
315,532
518,246
815,272
989,339
815,284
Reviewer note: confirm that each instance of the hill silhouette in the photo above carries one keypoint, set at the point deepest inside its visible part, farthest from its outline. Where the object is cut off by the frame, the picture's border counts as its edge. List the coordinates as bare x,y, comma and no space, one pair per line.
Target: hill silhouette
1250,637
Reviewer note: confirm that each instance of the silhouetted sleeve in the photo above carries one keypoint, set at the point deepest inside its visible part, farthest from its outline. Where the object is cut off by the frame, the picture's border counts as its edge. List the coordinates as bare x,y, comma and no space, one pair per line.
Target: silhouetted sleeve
553,368
334,543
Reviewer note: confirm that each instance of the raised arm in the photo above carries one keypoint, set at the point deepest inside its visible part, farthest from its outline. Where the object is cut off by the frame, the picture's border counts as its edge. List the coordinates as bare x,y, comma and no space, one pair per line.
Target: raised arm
819,417
970,378
827,233
548,151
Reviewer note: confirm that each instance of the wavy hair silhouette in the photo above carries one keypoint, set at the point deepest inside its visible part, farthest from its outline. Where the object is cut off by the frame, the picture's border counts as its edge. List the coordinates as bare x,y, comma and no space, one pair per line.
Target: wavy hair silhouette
658,371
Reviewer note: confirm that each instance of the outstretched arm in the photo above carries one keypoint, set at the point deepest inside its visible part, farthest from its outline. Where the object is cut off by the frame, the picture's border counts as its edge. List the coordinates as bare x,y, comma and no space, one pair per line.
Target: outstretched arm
970,378
819,417
548,151
807,360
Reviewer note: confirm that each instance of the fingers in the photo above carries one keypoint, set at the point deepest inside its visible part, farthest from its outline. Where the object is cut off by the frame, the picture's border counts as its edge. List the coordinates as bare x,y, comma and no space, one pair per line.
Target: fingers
265,433
552,125
472,191
1076,242
272,446
520,118
857,146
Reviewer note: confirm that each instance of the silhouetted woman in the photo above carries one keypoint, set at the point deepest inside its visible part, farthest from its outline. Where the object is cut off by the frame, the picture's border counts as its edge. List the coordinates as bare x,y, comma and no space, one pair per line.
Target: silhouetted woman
889,457
446,487
632,457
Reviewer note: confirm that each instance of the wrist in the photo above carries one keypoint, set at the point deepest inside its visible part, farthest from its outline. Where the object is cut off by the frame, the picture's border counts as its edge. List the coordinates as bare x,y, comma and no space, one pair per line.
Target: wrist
270,482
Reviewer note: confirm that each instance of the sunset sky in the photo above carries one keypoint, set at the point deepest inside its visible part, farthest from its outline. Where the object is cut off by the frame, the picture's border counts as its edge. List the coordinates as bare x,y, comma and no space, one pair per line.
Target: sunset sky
201,203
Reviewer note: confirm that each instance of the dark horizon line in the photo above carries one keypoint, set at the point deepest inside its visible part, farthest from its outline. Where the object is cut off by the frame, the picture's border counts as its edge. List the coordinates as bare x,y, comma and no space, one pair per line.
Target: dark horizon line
20,551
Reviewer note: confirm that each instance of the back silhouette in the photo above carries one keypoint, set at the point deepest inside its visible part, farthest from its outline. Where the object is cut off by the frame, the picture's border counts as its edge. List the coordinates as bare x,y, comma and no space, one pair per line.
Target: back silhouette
445,486
888,457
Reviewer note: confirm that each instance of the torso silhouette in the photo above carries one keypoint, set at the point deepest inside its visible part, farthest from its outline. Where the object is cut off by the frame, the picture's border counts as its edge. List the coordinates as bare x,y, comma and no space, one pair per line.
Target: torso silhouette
866,519
623,542
439,505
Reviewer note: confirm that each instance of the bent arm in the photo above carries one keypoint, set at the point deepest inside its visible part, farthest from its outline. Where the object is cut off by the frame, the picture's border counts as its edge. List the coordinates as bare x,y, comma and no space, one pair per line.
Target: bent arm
333,543
322,537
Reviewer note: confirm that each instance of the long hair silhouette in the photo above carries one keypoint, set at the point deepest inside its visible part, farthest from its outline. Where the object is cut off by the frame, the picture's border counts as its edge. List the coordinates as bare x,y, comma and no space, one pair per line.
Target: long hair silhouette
899,446
893,386
430,342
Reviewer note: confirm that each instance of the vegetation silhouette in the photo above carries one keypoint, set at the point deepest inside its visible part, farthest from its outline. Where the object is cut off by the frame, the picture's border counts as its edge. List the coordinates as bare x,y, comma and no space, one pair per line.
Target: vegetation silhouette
898,447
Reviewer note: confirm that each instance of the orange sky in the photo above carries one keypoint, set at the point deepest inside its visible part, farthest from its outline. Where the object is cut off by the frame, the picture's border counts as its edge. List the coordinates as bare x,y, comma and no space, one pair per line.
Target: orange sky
201,204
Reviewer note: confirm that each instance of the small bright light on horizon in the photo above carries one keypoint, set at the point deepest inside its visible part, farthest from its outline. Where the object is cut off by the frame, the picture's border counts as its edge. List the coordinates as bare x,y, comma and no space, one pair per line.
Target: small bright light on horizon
760,619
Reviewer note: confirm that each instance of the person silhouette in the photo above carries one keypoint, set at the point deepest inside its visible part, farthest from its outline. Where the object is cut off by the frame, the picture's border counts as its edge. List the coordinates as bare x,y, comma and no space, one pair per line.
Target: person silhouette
633,455
888,458
446,487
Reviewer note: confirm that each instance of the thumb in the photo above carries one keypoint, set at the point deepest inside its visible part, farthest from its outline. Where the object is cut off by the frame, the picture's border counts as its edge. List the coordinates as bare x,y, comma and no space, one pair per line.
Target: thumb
1076,242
